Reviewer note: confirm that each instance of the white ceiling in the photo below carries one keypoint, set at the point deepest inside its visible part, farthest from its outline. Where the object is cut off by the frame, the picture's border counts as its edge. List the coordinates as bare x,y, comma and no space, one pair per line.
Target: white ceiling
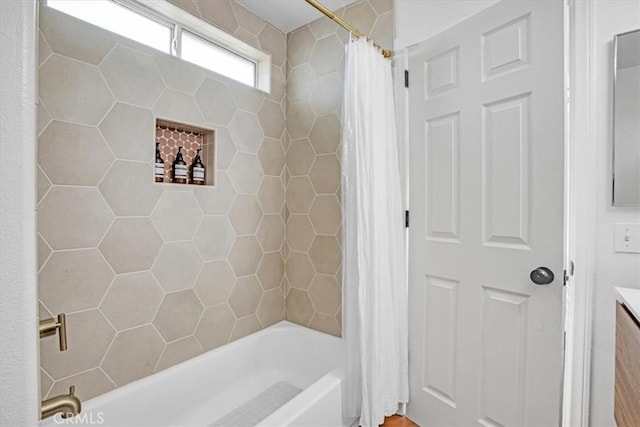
287,15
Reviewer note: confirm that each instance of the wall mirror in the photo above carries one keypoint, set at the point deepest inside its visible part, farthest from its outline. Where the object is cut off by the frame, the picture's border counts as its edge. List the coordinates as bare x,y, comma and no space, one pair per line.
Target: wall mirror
626,119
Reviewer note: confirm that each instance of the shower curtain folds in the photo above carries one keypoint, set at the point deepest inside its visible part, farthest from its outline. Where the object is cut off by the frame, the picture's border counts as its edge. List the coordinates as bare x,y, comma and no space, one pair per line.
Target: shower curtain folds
374,275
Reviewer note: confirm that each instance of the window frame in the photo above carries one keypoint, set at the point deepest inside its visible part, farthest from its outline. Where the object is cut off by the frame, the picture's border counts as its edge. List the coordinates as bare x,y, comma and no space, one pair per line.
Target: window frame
179,20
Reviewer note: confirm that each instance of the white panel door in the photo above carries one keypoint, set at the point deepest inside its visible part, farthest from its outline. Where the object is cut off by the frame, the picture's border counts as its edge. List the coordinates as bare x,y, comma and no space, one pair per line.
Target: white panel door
486,117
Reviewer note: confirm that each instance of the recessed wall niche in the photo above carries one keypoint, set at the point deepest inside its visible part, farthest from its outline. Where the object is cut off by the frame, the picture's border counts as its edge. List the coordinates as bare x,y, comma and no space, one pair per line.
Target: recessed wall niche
172,135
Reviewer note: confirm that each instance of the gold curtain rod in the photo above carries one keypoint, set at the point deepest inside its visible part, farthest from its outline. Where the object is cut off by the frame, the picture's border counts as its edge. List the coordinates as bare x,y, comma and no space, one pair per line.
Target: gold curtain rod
385,52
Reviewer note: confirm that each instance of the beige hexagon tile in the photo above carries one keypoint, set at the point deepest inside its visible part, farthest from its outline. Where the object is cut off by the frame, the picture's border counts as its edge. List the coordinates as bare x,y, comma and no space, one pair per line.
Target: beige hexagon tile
271,270
216,102
214,238
327,94
63,86
271,195
188,5
178,352
325,214
44,50
245,214
273,42
179,107
132,144
43,183
246,36
245,326
247,98
43,117
270,232
214,283
325,174
300,118
271,119
88,384
246,132
44,251
245,296
129,189
177,215
177,266
215,326
299,194
301,83
132,300
325,135
225,148
381,6
245,255
178,315
178,74
86,217
361,15
80,40
247,19
300,44
271,156
271,307
383,30
131,244
46,382
299,270
323,27
89,335
325,294
73,154
245,173
133,354
132,76
74,280
300,233
327,55
325,254
325,323
278,83
216,200
218,12
300,156
299,307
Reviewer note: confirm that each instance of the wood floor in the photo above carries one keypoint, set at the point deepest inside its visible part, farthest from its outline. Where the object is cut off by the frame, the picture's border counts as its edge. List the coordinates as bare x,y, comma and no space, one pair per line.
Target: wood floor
398,421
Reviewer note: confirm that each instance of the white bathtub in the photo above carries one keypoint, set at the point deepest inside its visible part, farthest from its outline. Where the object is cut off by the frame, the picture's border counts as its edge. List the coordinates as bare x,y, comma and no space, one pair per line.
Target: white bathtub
200,391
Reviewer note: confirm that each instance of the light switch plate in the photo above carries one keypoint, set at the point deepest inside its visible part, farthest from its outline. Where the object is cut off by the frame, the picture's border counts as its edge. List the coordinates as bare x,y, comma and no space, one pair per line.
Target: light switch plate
627,238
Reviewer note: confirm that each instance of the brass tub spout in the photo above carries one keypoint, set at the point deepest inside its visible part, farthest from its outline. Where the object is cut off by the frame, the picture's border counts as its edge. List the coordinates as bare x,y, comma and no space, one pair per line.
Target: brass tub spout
67,404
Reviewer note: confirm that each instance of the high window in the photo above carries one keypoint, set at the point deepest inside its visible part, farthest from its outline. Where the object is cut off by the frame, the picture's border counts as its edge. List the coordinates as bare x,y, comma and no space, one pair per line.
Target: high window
167,28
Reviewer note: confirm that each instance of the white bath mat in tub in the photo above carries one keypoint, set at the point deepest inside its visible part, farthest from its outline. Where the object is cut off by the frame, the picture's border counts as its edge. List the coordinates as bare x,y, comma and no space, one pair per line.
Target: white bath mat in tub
250,413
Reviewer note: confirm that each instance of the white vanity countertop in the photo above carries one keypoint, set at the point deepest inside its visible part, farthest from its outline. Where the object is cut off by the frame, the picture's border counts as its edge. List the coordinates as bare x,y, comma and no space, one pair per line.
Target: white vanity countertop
631,299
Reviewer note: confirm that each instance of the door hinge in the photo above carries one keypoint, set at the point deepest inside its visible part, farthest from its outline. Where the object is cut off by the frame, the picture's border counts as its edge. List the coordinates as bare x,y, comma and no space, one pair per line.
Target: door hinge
406,78
566,275
406,219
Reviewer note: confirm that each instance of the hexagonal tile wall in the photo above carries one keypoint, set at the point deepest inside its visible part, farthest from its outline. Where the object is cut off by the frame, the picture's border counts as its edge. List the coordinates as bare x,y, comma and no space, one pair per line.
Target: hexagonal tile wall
131,244
99,94
313,228
178,315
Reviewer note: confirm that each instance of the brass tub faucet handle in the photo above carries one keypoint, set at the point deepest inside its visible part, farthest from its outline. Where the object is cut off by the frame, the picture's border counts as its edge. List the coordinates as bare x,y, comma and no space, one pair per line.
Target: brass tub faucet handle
49,327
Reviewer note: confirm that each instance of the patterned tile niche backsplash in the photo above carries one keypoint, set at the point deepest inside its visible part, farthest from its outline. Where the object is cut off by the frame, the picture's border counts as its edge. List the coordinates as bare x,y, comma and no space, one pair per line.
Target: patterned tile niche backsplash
171,136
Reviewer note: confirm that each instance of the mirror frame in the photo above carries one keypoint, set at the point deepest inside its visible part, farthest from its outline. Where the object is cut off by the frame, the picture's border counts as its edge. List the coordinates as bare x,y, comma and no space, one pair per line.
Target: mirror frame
613,121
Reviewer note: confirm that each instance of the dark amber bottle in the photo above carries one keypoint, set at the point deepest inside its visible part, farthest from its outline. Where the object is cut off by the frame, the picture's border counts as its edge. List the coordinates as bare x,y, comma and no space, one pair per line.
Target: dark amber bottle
159,169
179,168
197,169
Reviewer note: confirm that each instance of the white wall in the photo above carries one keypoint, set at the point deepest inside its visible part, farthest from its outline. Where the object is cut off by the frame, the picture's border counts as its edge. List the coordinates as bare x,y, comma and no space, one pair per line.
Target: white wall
18,321
611,269
417,20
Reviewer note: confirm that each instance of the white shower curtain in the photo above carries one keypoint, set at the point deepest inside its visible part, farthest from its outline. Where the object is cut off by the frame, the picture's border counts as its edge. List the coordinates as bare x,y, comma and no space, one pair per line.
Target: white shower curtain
374,275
